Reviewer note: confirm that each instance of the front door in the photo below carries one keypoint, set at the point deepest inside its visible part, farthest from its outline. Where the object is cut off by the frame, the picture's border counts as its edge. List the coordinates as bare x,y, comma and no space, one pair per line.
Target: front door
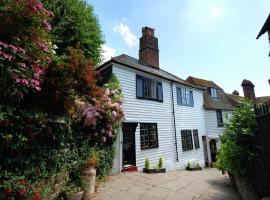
213,149
129,153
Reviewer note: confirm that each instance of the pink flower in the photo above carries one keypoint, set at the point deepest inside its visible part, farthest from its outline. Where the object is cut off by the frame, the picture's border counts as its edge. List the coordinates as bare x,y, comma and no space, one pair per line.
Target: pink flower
3,44
13,47
24,81
38,88
49,13
113,114
23,65
44,47
109,126
46,25
109,134
17,79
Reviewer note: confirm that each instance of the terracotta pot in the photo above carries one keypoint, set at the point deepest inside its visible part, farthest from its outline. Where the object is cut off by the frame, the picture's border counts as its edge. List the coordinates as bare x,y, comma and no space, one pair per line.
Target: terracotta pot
74,196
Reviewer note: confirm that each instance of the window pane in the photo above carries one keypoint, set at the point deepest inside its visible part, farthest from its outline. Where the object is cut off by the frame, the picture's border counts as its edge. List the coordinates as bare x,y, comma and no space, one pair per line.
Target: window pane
160,91
139,90
149,137
187,143
219,118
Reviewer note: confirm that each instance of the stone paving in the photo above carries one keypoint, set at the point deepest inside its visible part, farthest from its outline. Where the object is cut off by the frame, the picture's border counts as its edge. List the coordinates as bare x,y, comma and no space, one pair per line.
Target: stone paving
208,184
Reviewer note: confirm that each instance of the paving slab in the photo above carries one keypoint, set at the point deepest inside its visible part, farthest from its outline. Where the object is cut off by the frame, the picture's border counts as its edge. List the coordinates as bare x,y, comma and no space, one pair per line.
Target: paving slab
208,184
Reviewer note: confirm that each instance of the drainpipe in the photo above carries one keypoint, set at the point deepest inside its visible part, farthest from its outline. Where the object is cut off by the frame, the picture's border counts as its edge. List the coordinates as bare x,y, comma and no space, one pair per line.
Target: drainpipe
173,112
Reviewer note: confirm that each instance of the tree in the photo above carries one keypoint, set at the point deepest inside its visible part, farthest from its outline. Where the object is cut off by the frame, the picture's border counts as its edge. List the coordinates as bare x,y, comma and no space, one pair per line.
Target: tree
75,24
236,154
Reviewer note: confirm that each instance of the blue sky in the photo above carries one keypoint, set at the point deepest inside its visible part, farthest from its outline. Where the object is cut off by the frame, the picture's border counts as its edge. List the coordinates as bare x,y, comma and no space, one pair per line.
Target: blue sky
209,39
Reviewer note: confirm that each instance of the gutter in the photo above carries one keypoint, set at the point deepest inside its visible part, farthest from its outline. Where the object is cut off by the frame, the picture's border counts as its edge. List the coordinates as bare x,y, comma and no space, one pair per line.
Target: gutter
174,124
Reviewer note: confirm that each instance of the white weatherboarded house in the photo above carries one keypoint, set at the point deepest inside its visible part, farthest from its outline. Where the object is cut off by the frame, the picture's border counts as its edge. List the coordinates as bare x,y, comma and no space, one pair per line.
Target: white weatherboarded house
164,115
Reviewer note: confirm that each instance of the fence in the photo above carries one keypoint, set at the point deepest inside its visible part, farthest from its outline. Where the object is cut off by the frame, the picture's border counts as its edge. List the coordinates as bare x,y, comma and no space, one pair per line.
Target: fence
260,172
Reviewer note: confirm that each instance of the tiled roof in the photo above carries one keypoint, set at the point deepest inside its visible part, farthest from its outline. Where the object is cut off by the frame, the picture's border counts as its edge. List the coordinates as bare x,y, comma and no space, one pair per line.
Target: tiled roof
202,82
263,99
134,63
223,102
235,99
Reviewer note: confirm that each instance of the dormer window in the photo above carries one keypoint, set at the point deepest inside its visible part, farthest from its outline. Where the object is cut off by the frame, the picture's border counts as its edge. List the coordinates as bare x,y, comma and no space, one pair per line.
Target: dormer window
213,93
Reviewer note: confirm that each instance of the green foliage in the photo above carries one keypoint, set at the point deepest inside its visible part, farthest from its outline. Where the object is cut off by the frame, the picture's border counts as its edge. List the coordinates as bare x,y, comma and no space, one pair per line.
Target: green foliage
74,24
160,163
188,164
197,164
236,152
146,163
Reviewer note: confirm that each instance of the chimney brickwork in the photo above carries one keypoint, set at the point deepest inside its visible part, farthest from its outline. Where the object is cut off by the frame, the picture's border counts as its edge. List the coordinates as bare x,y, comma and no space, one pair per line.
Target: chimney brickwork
149,53
248,88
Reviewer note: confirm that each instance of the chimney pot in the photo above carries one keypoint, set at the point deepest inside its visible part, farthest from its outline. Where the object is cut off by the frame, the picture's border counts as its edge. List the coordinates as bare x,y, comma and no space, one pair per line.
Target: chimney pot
235,92
248,88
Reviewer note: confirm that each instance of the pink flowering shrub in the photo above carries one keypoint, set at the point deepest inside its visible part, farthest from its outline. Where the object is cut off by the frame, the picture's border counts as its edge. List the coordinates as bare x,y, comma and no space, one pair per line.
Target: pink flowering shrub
24,47
101,118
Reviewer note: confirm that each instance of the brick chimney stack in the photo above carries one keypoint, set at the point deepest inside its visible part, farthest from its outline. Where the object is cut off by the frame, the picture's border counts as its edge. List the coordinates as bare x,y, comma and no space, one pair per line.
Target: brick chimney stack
149,53
235,92
248,89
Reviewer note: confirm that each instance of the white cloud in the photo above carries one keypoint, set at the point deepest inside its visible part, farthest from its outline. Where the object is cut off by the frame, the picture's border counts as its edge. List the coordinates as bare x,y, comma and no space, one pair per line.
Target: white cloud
216,12
107,52
125,32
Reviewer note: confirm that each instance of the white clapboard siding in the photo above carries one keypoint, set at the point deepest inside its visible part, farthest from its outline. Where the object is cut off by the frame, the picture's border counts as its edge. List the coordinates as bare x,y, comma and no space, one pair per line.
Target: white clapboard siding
190,118
212,129
138,110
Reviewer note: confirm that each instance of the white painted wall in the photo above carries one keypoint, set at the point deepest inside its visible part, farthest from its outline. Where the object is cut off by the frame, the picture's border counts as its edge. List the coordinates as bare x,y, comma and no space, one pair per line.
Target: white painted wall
138,110
212,129
190,118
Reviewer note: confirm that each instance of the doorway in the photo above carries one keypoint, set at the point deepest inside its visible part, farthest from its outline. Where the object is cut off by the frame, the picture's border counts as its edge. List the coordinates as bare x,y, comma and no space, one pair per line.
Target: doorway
213,149
129,150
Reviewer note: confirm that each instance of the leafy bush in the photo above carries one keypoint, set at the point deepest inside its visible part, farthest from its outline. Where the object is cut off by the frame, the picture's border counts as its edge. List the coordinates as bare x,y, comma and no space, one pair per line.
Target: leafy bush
147,163
236,152
160,163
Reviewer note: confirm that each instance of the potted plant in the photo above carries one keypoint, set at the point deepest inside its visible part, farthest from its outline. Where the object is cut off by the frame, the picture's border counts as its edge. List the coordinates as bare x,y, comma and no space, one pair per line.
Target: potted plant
158,168
74,189
193,167
89,176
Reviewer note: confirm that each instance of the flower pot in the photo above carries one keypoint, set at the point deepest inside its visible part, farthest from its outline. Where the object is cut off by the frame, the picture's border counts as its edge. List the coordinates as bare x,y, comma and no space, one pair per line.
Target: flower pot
193,168
74,196
89,176
154,171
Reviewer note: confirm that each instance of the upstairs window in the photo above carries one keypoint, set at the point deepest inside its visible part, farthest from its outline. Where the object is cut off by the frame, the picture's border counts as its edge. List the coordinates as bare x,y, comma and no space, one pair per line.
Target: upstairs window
147,88
219,118
184,97
213,93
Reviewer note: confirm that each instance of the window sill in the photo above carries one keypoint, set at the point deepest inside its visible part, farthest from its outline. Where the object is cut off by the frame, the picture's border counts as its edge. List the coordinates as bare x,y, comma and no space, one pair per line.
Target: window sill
149,148
143,98
187,150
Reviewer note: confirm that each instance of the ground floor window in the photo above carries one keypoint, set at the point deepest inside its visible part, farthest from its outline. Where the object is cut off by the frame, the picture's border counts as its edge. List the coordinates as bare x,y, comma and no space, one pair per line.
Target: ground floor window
187,143
187,139
149,135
